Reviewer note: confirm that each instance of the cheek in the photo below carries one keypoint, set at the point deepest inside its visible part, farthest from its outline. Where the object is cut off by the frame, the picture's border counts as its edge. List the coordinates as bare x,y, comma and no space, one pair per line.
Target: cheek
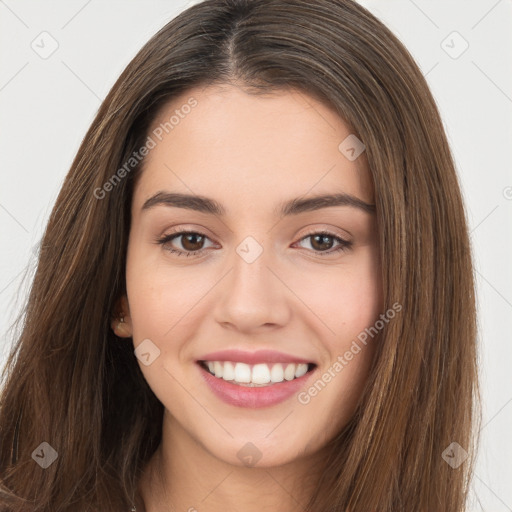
158,308
351,302
159,296
345,299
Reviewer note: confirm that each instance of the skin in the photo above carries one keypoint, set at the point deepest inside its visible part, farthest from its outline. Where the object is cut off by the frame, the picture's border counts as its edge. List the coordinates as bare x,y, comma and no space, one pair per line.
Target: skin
249,153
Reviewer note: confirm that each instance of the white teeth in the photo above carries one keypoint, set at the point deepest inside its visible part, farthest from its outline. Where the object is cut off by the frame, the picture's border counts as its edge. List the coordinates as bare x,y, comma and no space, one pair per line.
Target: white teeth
228,373
242,373
289,372
218,368
277,373
301,370
258,374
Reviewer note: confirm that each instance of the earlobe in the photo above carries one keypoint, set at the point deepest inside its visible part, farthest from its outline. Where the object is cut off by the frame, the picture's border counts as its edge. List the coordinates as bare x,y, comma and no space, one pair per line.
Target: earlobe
121,327
121,322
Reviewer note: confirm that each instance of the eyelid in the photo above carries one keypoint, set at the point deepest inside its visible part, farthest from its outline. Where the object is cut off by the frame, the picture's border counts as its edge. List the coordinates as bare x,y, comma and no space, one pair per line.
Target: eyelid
331,232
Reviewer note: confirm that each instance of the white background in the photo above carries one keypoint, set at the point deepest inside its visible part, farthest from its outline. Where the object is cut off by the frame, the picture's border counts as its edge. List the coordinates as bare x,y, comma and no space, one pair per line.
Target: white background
46,106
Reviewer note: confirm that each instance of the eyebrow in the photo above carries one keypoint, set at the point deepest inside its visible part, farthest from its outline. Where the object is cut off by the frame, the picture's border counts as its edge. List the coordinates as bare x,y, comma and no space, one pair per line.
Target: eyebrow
287,208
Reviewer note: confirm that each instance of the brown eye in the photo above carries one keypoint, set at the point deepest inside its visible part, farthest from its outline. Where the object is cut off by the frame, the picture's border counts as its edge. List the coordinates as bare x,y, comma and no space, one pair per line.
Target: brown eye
322,242
192,241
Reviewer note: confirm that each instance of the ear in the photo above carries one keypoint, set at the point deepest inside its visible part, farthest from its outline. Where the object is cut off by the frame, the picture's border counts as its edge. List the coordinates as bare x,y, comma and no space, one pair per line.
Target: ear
123,328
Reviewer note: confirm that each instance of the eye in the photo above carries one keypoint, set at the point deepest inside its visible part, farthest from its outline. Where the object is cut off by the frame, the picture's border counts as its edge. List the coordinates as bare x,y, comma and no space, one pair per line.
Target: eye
320,240
191,243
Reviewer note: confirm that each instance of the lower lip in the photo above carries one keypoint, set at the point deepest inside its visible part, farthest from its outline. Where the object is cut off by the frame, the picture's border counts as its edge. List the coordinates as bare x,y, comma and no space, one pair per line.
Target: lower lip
254,398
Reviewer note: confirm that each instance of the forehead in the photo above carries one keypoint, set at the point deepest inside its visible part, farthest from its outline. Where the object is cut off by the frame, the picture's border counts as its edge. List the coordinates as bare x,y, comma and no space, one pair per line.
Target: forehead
247,149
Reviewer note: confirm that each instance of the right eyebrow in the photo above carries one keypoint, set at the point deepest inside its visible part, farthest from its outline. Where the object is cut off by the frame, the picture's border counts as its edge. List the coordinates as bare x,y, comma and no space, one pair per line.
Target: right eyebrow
187,201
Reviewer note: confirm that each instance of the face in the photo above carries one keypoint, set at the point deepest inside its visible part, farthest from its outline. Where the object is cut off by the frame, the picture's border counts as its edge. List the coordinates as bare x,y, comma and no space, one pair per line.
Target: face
243,314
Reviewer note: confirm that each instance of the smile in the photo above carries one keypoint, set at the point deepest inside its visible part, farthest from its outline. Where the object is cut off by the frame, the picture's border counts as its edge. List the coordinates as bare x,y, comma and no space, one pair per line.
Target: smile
254,379
256,375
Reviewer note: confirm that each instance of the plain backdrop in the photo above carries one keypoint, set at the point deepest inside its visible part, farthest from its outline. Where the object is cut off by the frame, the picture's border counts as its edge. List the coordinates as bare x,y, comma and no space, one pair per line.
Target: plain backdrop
464,48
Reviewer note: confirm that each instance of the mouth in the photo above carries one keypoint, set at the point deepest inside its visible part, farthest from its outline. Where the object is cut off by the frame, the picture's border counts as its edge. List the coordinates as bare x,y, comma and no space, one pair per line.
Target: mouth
262,378
256,375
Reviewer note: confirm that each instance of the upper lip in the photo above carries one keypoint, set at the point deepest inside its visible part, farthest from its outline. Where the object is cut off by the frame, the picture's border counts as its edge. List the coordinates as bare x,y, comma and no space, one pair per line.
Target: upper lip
260,356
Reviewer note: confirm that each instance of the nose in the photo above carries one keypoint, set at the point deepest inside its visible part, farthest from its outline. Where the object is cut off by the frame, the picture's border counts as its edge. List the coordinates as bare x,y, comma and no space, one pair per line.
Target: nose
252,296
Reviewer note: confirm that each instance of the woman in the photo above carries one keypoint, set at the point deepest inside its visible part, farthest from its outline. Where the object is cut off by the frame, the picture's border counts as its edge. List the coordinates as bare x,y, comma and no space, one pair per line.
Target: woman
255,289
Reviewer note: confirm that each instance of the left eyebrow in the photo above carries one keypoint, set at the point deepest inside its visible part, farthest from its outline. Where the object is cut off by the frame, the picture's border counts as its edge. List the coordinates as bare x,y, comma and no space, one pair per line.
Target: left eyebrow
292,207
298,205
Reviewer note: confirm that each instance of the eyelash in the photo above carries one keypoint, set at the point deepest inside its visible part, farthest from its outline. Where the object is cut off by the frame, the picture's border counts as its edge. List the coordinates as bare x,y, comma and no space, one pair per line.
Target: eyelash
343,244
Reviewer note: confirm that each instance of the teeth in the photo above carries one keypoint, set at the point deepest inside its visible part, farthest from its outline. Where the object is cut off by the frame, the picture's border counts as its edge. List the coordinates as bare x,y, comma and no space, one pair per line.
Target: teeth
242,373
277,373
260,374
228,371
301,370
289,372
256,375
218,368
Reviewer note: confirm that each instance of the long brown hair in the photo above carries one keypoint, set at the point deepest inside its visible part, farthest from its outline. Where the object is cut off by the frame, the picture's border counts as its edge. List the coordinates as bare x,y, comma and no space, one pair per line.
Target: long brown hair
71,382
